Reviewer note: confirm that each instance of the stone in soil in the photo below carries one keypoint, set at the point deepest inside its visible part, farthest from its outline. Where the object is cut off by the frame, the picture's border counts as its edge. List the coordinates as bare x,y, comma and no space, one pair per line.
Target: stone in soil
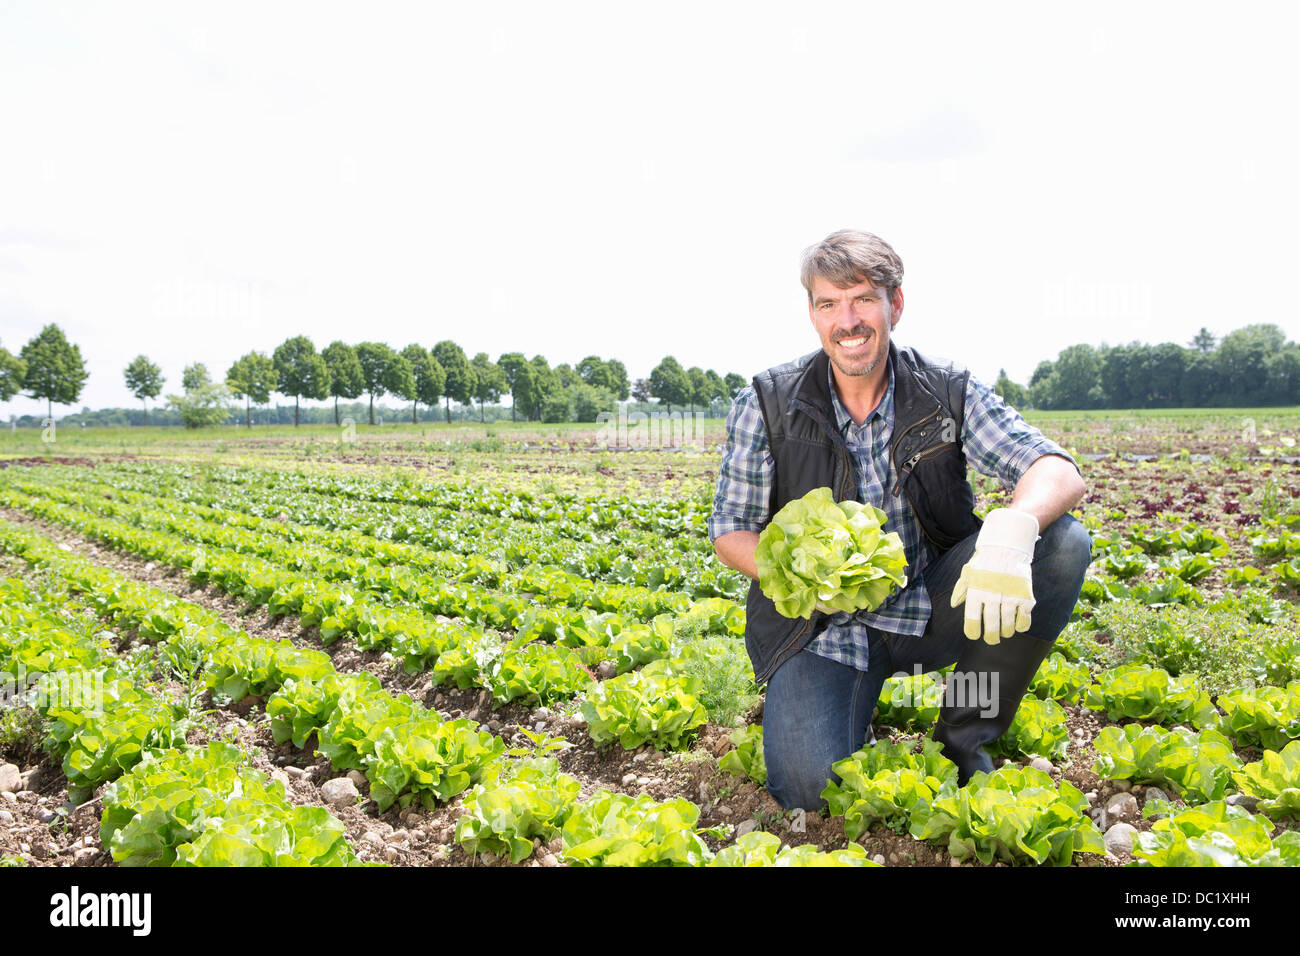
339,792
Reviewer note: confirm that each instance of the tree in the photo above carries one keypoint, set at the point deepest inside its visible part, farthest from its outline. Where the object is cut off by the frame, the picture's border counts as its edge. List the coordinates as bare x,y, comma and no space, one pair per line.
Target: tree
1241,360
545,383
489,381
1199,387
399,379
204,405
1012,394
430,379
592,370
144,379
1162,374
588,401
460,374
1077,372
716,390
54,369
1282,375
734,384
252,378
567,376
12,372
375,359
670,383
524,393
1115,363
641,390
1203,341
699,386
301,370
616,380
195,376
1042,385
511,364
346,378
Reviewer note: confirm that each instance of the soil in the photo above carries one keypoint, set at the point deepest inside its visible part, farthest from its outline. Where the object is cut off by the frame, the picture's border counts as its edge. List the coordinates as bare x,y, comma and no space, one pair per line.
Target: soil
1219,495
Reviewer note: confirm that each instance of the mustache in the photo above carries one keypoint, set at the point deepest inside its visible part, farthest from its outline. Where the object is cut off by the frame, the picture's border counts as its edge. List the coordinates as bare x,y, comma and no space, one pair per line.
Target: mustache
854,333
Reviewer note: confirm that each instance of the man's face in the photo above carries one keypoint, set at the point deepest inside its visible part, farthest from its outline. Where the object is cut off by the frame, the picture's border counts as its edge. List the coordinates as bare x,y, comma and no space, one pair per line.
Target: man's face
854,323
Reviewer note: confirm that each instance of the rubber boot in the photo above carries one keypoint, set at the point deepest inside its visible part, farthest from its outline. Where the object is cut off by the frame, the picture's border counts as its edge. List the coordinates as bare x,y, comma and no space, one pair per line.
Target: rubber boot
964,727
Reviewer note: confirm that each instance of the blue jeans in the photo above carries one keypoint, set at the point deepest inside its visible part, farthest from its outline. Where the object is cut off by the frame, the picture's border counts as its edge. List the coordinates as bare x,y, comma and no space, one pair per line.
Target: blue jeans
819,711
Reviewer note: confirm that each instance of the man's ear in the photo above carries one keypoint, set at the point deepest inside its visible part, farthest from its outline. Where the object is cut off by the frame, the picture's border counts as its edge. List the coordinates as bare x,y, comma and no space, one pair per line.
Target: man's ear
895,308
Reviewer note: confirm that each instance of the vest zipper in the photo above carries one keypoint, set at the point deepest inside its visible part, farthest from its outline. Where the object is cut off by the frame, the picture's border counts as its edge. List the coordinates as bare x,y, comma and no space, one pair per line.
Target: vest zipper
906,471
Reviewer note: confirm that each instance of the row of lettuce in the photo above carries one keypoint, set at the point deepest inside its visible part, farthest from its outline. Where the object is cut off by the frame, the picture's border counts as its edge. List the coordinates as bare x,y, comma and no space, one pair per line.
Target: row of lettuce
169,804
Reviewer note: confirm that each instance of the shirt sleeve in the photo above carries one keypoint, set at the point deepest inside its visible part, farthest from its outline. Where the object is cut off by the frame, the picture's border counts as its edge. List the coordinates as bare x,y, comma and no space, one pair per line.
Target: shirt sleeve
745,479
997,441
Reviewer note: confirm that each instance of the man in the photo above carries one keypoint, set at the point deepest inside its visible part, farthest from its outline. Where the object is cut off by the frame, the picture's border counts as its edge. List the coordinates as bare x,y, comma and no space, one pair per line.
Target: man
890,427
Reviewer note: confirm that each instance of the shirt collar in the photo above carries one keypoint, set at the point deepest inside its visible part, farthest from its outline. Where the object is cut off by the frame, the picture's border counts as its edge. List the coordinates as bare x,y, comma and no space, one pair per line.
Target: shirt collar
885,407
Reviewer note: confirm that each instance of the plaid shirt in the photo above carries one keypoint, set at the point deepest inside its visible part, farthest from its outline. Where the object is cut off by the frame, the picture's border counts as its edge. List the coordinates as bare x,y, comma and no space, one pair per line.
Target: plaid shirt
996,441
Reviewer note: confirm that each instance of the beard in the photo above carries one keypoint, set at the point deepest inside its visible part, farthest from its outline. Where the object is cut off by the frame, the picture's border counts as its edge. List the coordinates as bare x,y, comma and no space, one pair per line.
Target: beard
859,369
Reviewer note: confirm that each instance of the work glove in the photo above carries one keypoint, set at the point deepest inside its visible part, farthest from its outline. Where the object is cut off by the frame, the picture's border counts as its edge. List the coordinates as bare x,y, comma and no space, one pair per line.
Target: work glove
997,582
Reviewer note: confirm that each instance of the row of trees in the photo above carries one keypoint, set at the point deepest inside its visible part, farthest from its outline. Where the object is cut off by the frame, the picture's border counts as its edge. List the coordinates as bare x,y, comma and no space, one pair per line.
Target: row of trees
1253,366
415,374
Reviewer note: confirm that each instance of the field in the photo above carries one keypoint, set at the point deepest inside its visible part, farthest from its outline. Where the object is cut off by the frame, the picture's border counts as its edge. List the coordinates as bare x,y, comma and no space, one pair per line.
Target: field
511,645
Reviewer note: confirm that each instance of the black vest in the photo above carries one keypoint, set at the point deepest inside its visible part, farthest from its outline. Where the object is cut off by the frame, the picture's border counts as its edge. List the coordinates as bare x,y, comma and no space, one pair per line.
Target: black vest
810,452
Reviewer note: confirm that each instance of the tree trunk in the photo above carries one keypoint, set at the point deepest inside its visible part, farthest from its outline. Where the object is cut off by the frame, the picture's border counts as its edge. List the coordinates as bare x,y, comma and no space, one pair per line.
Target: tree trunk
49,410
336,411
372,408
448,409
414,419
481,419
146,410
248,411
295,411
512,409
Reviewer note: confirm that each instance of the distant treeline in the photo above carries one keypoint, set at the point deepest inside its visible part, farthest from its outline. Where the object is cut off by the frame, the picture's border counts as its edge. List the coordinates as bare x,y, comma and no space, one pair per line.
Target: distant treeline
50,367
357,412
1252,367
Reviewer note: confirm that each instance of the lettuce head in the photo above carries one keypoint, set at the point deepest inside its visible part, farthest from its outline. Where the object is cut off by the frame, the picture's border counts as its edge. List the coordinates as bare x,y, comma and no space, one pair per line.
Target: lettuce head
818,549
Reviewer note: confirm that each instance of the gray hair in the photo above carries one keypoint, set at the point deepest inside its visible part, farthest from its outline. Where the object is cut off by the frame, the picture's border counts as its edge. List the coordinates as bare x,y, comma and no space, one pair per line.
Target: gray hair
848,257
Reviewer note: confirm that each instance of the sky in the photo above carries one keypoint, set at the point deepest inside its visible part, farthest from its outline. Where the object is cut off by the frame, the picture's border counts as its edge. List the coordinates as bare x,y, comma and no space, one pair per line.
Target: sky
193,182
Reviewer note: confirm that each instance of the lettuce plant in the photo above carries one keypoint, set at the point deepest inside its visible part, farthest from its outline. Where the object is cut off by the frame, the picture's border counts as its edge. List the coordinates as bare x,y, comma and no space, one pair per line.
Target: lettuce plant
746,760
613,829
764,849
1016,815
1215,834
517,802
1037,730
886,783
1059,679
818,549
653,704
1199,765
1268,716
1276,779
209,808
1139,692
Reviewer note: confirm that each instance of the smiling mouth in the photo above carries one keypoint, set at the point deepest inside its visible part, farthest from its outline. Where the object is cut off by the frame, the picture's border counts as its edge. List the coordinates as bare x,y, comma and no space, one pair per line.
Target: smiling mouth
850,344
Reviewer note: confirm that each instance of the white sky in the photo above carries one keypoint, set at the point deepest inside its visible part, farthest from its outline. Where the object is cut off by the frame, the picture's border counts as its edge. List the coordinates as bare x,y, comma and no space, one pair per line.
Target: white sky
193,182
